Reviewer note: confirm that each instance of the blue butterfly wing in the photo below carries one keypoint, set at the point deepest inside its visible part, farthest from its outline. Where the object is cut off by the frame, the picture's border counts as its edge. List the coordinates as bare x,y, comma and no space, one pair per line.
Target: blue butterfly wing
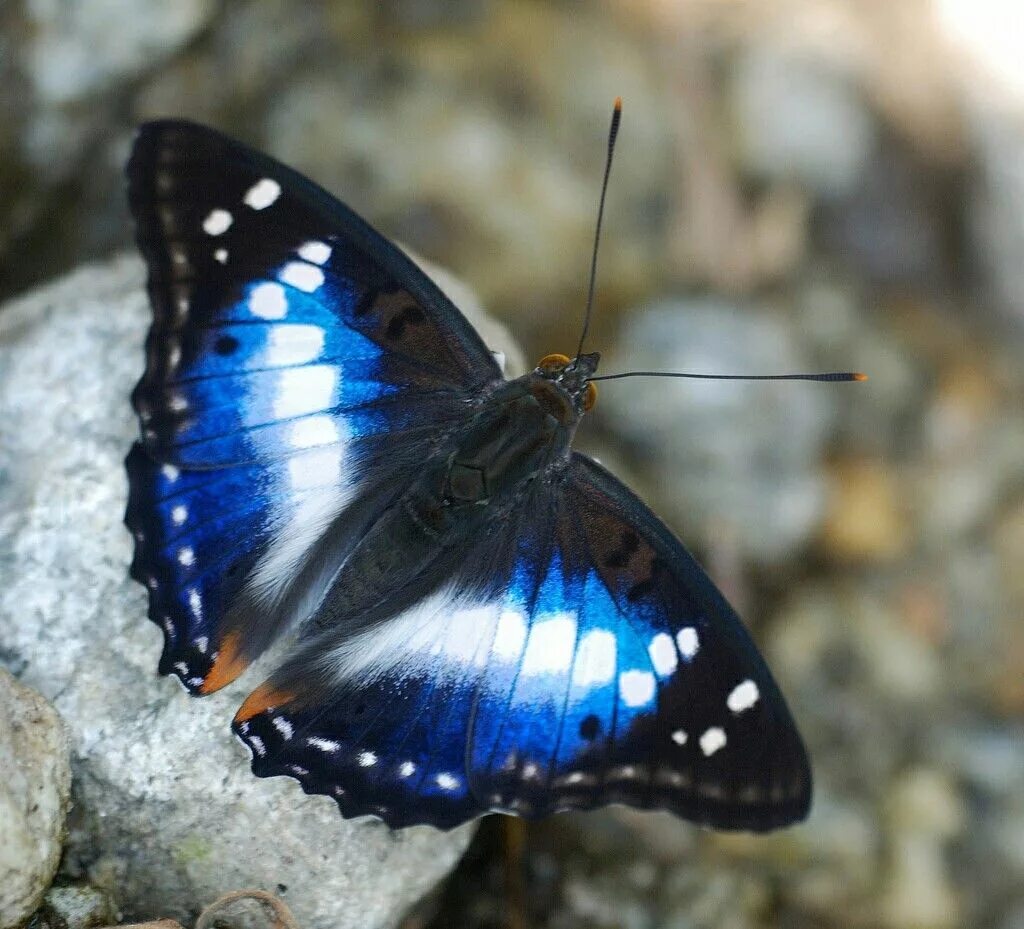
296,364
652,692
387,737
581,657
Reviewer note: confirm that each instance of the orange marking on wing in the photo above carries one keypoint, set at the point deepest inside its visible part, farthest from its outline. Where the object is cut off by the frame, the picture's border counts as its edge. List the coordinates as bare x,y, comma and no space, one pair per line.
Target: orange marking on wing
227,666
262,698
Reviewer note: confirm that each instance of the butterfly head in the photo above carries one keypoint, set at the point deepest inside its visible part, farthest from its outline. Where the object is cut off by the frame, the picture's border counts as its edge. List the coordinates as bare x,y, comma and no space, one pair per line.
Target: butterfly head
573,376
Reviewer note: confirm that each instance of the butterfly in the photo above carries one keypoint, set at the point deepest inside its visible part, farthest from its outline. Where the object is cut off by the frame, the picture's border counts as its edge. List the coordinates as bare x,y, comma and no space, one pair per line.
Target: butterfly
485,620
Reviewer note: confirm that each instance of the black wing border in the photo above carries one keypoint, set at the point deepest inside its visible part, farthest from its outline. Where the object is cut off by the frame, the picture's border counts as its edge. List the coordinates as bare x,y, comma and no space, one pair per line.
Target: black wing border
584,470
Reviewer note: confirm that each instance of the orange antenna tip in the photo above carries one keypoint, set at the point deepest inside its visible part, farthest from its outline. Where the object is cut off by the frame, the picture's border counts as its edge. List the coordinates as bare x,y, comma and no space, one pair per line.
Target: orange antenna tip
618,104
859,377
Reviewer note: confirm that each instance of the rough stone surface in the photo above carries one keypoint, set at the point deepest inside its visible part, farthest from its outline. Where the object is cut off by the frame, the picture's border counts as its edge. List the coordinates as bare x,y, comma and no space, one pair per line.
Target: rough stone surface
749,451
168,815
798,119
75,906
77,50
34,796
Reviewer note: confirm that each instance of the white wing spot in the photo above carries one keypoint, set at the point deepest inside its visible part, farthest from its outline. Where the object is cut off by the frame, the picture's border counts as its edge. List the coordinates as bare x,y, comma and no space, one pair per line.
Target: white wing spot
293,345
315,469
173,353
177,403
298,770
408,769
257,744
367,759
186,556
447,782
263,193
202,644
268,301
217,222
595,659
304,276
151,583
688,642
550,646
530,771
510,636
304,390
283,726
170,472
313,431
221,255
712,740
179,514
636,687
574,778
679,737
325,745
196,603
663,654
181,668
316,252
743,696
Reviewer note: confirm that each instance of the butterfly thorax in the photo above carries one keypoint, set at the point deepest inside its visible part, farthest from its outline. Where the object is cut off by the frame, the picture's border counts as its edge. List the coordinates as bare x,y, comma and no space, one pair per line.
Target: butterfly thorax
521,430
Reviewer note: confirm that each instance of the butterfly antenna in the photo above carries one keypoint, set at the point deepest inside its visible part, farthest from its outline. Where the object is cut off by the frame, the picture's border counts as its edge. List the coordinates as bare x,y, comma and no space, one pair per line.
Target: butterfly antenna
829,376
612,133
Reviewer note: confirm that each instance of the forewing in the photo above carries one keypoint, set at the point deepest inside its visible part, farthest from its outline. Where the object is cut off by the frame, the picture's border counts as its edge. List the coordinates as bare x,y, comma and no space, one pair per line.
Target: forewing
277,311
298,369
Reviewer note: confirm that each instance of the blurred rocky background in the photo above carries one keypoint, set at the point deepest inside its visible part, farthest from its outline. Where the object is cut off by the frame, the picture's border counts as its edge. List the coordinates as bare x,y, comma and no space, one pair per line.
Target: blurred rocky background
800,184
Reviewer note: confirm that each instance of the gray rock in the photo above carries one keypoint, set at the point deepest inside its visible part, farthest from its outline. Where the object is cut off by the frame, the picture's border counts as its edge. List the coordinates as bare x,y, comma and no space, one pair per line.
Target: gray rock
170,816
800,119
34,798
996,206
738,461
76,907
75,50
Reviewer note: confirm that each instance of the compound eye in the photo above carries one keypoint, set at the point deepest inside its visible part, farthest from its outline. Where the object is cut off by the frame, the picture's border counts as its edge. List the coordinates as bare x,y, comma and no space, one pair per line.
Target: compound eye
589,397
550,364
